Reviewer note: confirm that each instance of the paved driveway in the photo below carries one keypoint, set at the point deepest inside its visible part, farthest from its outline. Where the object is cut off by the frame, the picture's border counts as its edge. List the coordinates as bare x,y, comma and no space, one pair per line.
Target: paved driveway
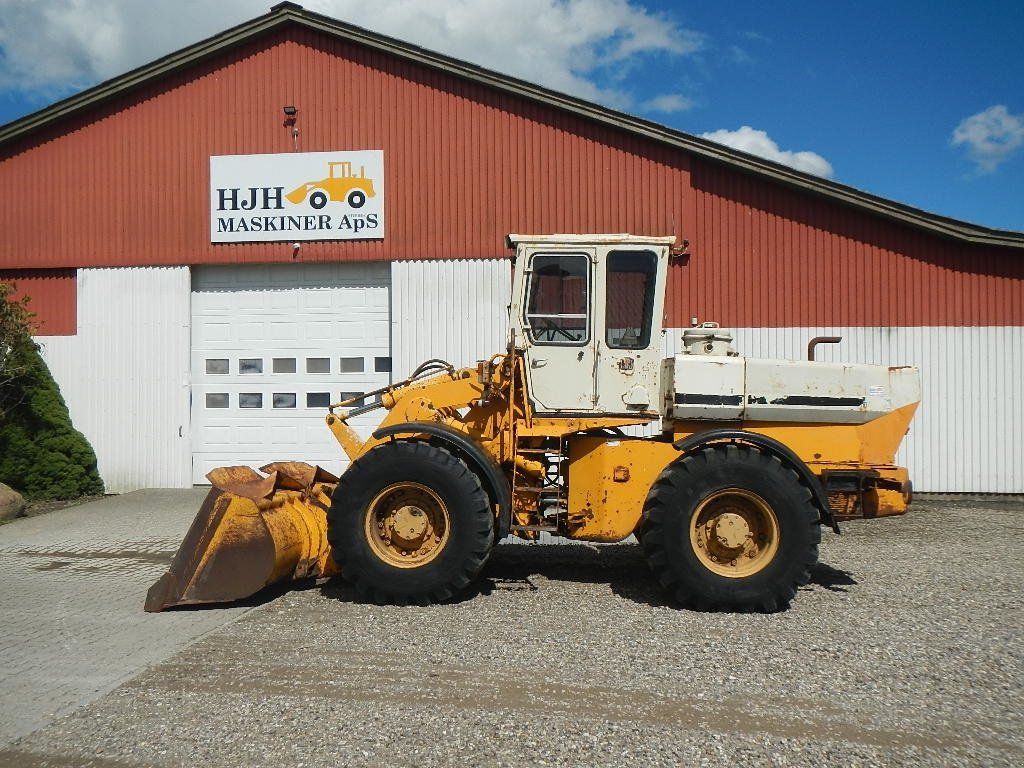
904,649
72,584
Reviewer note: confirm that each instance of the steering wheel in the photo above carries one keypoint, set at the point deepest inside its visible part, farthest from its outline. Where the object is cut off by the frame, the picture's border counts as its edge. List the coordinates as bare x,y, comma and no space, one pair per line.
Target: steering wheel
554,330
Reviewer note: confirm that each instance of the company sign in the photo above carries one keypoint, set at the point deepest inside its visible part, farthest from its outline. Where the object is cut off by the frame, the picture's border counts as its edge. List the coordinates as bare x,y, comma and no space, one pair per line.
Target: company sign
297,196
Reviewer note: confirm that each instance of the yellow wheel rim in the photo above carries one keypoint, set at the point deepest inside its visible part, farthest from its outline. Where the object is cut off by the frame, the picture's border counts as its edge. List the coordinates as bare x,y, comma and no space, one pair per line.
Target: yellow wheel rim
407,525
734,533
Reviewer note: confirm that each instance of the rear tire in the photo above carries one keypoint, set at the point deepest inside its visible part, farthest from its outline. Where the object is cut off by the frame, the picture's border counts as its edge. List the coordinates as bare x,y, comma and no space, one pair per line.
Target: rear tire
409,522
730,528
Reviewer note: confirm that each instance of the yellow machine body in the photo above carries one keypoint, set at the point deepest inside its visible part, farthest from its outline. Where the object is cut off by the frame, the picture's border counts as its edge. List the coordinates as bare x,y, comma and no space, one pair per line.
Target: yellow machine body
609,480
253,531
572,474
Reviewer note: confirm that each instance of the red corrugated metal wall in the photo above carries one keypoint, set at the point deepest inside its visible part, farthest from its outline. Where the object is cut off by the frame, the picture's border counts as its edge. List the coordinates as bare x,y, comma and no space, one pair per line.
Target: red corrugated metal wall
465,165
765,255
53,298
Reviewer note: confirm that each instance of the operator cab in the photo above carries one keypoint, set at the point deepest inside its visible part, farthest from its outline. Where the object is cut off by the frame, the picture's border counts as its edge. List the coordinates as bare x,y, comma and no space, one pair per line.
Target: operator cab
586,313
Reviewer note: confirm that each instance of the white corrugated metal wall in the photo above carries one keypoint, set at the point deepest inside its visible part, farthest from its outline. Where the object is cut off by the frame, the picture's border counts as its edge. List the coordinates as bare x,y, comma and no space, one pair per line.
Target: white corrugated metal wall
455,309
125,375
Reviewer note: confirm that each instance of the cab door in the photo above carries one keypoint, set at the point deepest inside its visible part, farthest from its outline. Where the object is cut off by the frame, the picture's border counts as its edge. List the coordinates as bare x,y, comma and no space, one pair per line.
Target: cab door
631,295
557,319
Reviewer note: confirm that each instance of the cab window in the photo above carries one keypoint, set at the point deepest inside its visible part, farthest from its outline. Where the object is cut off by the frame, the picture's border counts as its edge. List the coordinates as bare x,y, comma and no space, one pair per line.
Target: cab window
557,299
630,298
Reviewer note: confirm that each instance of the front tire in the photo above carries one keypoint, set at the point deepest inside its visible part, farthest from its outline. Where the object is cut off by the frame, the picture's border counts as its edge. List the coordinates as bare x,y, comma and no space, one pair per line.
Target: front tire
731,528
409,522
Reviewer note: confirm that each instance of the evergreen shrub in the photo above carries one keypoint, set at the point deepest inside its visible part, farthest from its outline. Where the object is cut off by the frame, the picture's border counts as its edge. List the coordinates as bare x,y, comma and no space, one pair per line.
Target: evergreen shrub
41,454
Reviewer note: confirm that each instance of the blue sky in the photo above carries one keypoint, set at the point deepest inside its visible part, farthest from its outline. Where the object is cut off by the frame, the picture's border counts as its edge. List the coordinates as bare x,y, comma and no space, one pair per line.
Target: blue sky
919,102
876,88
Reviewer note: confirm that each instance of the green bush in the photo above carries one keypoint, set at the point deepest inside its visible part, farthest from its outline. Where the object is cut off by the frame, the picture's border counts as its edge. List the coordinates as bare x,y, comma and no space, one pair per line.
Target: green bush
41,454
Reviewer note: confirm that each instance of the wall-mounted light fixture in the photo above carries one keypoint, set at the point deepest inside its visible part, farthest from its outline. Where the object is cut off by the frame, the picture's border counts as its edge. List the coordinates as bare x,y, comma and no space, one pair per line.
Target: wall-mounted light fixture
290,115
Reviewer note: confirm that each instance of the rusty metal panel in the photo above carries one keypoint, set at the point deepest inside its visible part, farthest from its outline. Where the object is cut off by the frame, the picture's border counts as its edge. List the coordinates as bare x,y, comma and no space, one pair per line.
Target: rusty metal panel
52,298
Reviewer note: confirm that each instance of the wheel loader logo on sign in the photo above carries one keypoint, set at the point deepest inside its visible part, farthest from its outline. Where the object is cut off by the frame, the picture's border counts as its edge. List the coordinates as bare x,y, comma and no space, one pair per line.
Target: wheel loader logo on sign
341,185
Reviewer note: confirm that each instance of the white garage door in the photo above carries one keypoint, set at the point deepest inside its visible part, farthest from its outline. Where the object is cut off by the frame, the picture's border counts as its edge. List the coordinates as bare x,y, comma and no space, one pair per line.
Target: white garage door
272,347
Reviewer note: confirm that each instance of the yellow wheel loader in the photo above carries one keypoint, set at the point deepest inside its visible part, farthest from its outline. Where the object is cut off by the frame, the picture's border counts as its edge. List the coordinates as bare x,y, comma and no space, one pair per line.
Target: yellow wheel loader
341,185
743,463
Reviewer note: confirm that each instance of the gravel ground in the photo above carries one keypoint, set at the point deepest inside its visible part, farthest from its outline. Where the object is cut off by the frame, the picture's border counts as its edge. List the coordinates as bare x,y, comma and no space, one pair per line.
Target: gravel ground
904,650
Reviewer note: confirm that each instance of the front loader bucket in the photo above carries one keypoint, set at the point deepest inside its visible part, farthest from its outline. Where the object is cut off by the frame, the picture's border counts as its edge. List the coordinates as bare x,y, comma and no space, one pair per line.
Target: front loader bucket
251,531
297,195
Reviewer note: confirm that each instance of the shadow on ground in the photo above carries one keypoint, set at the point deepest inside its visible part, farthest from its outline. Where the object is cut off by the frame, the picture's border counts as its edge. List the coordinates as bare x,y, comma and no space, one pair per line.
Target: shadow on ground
832,579
264,596
525,568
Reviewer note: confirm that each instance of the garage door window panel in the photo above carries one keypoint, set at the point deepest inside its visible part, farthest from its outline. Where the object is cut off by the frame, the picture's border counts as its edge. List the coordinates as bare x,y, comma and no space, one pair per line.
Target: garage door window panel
284,365
250,400
350,395
250,365
318,399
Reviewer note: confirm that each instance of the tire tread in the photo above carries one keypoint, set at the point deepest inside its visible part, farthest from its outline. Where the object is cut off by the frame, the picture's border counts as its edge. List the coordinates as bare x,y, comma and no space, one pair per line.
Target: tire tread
357,485
665,522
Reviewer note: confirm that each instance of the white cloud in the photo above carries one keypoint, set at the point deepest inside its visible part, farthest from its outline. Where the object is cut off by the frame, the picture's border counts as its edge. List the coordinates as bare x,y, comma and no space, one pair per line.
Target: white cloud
991,137
57,46
575,46
666,103
739,55
754,142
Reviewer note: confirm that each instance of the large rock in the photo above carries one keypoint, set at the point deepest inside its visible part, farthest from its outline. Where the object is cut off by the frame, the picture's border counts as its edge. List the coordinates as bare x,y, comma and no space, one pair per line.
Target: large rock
12,504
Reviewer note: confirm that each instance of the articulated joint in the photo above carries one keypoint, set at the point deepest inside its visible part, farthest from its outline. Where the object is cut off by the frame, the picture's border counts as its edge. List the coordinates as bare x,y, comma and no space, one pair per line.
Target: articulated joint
784,453
483,462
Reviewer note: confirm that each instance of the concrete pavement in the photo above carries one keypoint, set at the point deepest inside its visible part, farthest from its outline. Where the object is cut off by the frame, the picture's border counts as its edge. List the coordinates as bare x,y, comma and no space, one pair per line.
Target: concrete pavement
72,585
